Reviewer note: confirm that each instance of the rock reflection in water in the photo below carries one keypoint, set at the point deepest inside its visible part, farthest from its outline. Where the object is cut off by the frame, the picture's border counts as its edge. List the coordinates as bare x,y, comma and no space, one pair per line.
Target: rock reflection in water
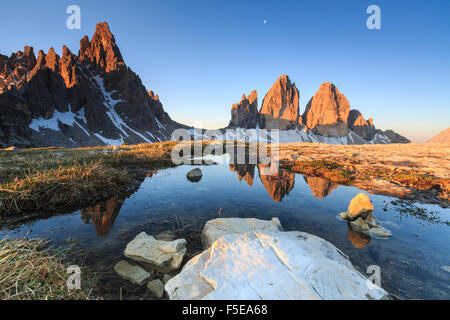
102,215
281,184
244,171
320,187
359,240
278,185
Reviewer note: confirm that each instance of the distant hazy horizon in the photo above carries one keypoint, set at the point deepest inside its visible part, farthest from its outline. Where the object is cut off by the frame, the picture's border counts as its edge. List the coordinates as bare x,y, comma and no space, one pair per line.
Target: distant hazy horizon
201,56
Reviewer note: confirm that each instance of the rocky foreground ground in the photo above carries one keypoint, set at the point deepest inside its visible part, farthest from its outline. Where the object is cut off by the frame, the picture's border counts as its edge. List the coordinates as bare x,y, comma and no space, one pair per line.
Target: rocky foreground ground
415,171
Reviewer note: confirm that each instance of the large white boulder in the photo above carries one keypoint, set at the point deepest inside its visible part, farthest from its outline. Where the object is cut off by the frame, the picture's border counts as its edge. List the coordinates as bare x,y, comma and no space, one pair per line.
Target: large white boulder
166,255
271,265
217,228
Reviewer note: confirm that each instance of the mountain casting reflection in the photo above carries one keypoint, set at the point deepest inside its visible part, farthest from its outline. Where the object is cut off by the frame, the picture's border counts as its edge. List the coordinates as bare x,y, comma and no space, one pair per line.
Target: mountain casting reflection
281,184
102,215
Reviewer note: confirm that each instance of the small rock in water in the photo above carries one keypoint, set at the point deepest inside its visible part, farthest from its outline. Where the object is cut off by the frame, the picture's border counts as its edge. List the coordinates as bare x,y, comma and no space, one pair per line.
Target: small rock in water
344,215
380,232
446,268
361,218
166,255
156,287
195,175
360,224
167,277
359,205
134,274
372,221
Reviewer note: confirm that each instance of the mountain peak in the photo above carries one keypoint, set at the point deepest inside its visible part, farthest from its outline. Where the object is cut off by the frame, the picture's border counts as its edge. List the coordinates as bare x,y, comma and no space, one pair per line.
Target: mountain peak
280,107
327,112
442,137
245,113
102,50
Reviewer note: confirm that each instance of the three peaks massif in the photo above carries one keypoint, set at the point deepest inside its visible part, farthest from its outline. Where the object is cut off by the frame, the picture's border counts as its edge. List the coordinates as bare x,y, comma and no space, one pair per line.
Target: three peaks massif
93,98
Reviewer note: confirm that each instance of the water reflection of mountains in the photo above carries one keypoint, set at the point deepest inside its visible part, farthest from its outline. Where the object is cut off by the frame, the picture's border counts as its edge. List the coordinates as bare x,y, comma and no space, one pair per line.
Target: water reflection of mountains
281,184
103,215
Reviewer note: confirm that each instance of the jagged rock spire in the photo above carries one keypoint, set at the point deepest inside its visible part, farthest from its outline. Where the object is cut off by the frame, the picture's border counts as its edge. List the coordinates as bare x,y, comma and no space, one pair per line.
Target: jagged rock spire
327,112
280,107
245,113
102,51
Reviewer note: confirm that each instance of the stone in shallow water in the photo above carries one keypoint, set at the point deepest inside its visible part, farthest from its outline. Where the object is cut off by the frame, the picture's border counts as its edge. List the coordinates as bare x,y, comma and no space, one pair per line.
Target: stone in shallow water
167,277
195,175
446,268
134,274
156,287
167,255
360,224
217,228
380,232
265,265
359,205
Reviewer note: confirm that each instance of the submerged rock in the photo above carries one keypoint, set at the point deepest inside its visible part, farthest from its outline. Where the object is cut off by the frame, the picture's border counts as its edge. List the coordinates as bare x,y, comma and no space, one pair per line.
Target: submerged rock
218,228
165,255
446,268
156,287
271,265
380,232
360,224
134,274
195,175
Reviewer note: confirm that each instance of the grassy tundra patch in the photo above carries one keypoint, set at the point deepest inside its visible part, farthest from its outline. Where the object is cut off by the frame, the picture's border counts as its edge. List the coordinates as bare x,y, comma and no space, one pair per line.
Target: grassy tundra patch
56,178
31,270
325,169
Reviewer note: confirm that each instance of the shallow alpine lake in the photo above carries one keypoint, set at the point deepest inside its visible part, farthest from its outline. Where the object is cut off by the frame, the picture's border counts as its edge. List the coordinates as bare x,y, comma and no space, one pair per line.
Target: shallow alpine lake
166,203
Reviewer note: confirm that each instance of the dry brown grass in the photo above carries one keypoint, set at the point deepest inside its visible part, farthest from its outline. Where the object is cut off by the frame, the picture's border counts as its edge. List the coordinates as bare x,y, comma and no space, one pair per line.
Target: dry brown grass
31,270
52,179
55,178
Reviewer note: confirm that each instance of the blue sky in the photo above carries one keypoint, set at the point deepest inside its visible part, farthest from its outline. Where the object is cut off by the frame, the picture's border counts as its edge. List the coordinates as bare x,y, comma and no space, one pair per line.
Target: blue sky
201,56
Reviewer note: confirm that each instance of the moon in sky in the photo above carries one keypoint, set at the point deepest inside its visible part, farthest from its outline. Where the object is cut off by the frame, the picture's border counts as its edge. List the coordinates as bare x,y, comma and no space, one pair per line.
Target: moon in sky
265,21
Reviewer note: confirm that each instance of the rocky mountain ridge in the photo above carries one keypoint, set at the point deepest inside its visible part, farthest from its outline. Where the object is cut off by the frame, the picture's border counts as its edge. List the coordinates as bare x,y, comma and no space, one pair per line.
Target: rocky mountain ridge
328,117
88,99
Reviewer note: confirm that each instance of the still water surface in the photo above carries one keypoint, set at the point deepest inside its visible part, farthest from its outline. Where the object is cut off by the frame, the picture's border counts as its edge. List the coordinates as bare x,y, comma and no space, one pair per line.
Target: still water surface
410,260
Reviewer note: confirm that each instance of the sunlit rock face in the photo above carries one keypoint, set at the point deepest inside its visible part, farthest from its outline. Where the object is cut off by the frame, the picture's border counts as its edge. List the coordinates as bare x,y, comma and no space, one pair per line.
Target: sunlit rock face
327,112
320,187
280,107
362,127
102,215
278,185
442,137
245,113
88,99
271,265
245,172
